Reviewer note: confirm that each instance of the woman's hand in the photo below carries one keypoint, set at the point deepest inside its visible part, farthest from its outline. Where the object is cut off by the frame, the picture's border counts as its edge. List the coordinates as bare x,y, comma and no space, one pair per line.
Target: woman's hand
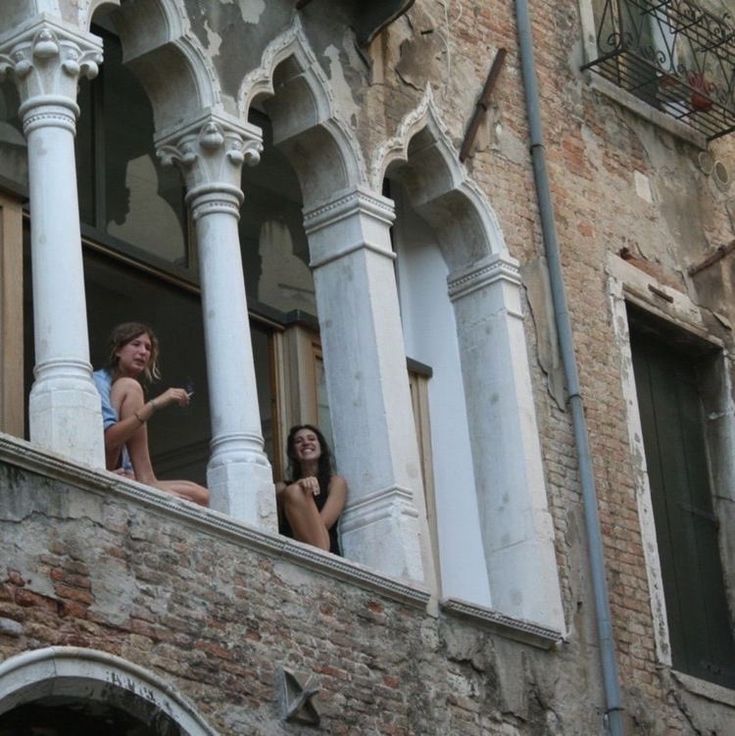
170,396
309,485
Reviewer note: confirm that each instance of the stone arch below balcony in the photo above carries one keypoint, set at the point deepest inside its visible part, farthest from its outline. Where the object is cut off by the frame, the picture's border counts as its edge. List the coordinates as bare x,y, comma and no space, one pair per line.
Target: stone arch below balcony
77,675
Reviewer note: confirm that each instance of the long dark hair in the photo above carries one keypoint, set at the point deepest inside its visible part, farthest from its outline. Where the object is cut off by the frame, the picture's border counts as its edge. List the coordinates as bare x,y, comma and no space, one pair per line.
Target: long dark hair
126,332
324,470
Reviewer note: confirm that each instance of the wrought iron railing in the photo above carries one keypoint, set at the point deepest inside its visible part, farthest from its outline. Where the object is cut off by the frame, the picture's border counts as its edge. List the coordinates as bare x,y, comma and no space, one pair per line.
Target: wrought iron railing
673,54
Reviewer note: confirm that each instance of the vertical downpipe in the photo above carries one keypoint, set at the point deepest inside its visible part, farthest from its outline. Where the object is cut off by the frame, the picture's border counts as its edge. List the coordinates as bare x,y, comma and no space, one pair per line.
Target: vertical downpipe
610,677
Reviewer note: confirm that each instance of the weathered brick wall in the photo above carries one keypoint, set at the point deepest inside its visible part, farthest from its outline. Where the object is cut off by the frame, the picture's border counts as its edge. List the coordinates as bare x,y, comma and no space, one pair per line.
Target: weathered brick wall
217,618
594,146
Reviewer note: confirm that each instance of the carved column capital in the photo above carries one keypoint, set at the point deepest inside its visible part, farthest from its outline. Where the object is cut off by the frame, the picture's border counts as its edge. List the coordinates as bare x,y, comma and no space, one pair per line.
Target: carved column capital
210,153
46,60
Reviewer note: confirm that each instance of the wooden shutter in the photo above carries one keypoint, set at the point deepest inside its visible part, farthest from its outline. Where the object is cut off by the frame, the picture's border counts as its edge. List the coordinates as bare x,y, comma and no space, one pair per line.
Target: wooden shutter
686,527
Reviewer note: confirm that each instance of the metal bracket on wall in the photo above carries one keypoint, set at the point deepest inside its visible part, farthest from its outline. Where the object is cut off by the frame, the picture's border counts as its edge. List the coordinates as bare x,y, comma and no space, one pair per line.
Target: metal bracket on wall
296,699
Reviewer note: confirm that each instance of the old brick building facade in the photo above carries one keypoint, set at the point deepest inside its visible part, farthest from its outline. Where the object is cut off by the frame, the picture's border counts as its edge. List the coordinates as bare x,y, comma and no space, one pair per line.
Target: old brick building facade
523,360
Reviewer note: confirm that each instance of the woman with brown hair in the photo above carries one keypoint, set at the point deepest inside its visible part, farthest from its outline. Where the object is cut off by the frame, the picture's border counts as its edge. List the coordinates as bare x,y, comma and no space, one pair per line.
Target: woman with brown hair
133,359
311,502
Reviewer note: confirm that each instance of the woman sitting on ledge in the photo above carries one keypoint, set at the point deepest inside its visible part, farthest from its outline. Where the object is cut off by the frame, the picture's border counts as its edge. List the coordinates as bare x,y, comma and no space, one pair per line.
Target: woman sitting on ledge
310,503
125,412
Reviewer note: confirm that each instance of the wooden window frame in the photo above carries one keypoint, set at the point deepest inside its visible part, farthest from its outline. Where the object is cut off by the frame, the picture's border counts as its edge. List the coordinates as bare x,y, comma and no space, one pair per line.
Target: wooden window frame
12,409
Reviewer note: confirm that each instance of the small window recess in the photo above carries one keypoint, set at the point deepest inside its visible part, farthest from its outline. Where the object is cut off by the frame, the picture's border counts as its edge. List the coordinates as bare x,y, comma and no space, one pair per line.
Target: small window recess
673,55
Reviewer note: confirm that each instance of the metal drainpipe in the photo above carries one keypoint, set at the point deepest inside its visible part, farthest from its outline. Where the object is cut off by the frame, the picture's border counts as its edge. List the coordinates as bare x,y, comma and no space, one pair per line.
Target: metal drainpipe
610,677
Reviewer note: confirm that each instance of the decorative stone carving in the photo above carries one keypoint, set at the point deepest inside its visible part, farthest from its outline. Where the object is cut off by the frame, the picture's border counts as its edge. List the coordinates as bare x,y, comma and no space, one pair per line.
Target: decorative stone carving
210,152
297,700
46,62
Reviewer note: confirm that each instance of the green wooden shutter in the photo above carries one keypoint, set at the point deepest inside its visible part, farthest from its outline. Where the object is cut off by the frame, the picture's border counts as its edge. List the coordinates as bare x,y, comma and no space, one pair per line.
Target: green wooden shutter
699,622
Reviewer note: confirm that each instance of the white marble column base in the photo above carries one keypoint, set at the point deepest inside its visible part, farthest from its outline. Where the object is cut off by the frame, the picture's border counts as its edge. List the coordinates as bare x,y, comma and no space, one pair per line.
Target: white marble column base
65,417
244,489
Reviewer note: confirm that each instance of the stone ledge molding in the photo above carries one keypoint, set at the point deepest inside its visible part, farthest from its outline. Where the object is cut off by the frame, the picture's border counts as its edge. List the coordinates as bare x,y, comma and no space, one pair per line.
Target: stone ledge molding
358,201
21,454
352,222
43,672
489,270
47,58
516,629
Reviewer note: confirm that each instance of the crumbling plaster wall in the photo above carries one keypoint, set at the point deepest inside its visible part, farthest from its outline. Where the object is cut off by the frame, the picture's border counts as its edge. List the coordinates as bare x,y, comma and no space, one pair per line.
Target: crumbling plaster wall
216,618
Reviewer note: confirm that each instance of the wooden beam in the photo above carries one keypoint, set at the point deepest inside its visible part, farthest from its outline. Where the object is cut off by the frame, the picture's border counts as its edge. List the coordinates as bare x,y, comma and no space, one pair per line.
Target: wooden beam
482,104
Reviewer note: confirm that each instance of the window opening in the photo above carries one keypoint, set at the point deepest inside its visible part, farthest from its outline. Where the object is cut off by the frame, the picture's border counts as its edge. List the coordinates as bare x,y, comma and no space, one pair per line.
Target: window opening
126,196
669,386
274,245
676,55
120,291
13,149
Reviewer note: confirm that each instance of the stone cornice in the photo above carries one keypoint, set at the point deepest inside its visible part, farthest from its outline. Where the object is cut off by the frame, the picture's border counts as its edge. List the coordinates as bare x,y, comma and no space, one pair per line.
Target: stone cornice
360,201
512,628
499,267
21,454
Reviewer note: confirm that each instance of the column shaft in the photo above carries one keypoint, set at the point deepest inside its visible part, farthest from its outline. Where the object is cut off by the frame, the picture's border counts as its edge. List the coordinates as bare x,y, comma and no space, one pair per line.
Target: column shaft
517,529
384,524
210,152
46,61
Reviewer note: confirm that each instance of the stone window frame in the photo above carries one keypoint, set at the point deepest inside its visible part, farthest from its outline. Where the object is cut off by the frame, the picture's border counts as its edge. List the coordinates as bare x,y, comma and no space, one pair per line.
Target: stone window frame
588,52
629,285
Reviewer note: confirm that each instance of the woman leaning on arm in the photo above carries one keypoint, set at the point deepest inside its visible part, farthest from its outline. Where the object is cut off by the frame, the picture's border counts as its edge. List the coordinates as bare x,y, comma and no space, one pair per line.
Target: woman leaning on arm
311,502
133,359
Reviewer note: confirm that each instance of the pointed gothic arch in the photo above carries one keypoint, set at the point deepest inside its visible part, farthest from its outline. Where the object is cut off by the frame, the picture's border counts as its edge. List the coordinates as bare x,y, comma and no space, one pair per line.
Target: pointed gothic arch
422,155
483,303
168,59
296,94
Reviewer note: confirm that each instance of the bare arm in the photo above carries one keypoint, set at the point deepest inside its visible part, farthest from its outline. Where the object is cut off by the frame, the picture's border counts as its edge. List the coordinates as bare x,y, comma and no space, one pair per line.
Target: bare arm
119,433
335,501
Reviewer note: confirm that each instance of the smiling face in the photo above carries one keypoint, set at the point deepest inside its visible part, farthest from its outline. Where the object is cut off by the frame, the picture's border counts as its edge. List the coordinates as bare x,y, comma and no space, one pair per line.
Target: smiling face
133,357
306,446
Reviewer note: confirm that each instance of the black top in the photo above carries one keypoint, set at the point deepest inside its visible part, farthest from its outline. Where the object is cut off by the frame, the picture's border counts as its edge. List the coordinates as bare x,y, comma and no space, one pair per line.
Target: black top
285,528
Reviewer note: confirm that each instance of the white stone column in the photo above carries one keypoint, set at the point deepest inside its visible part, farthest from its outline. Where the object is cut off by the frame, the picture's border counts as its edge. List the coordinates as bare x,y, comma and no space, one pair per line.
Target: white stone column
384,523
517,529
210,151
46,60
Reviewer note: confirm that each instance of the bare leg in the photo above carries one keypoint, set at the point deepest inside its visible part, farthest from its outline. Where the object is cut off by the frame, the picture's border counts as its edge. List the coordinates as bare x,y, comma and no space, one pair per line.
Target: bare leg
304,518
127,397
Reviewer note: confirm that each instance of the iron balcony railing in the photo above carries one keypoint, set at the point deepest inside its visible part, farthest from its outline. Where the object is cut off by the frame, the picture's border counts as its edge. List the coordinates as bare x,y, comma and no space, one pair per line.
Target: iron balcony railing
673,54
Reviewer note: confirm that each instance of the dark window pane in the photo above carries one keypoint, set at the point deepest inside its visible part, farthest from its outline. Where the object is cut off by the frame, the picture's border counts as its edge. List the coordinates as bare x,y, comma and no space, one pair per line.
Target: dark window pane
13,153
144,202
274,246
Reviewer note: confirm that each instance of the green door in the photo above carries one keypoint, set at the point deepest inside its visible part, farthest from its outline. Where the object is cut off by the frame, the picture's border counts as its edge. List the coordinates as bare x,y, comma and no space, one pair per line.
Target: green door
700,627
